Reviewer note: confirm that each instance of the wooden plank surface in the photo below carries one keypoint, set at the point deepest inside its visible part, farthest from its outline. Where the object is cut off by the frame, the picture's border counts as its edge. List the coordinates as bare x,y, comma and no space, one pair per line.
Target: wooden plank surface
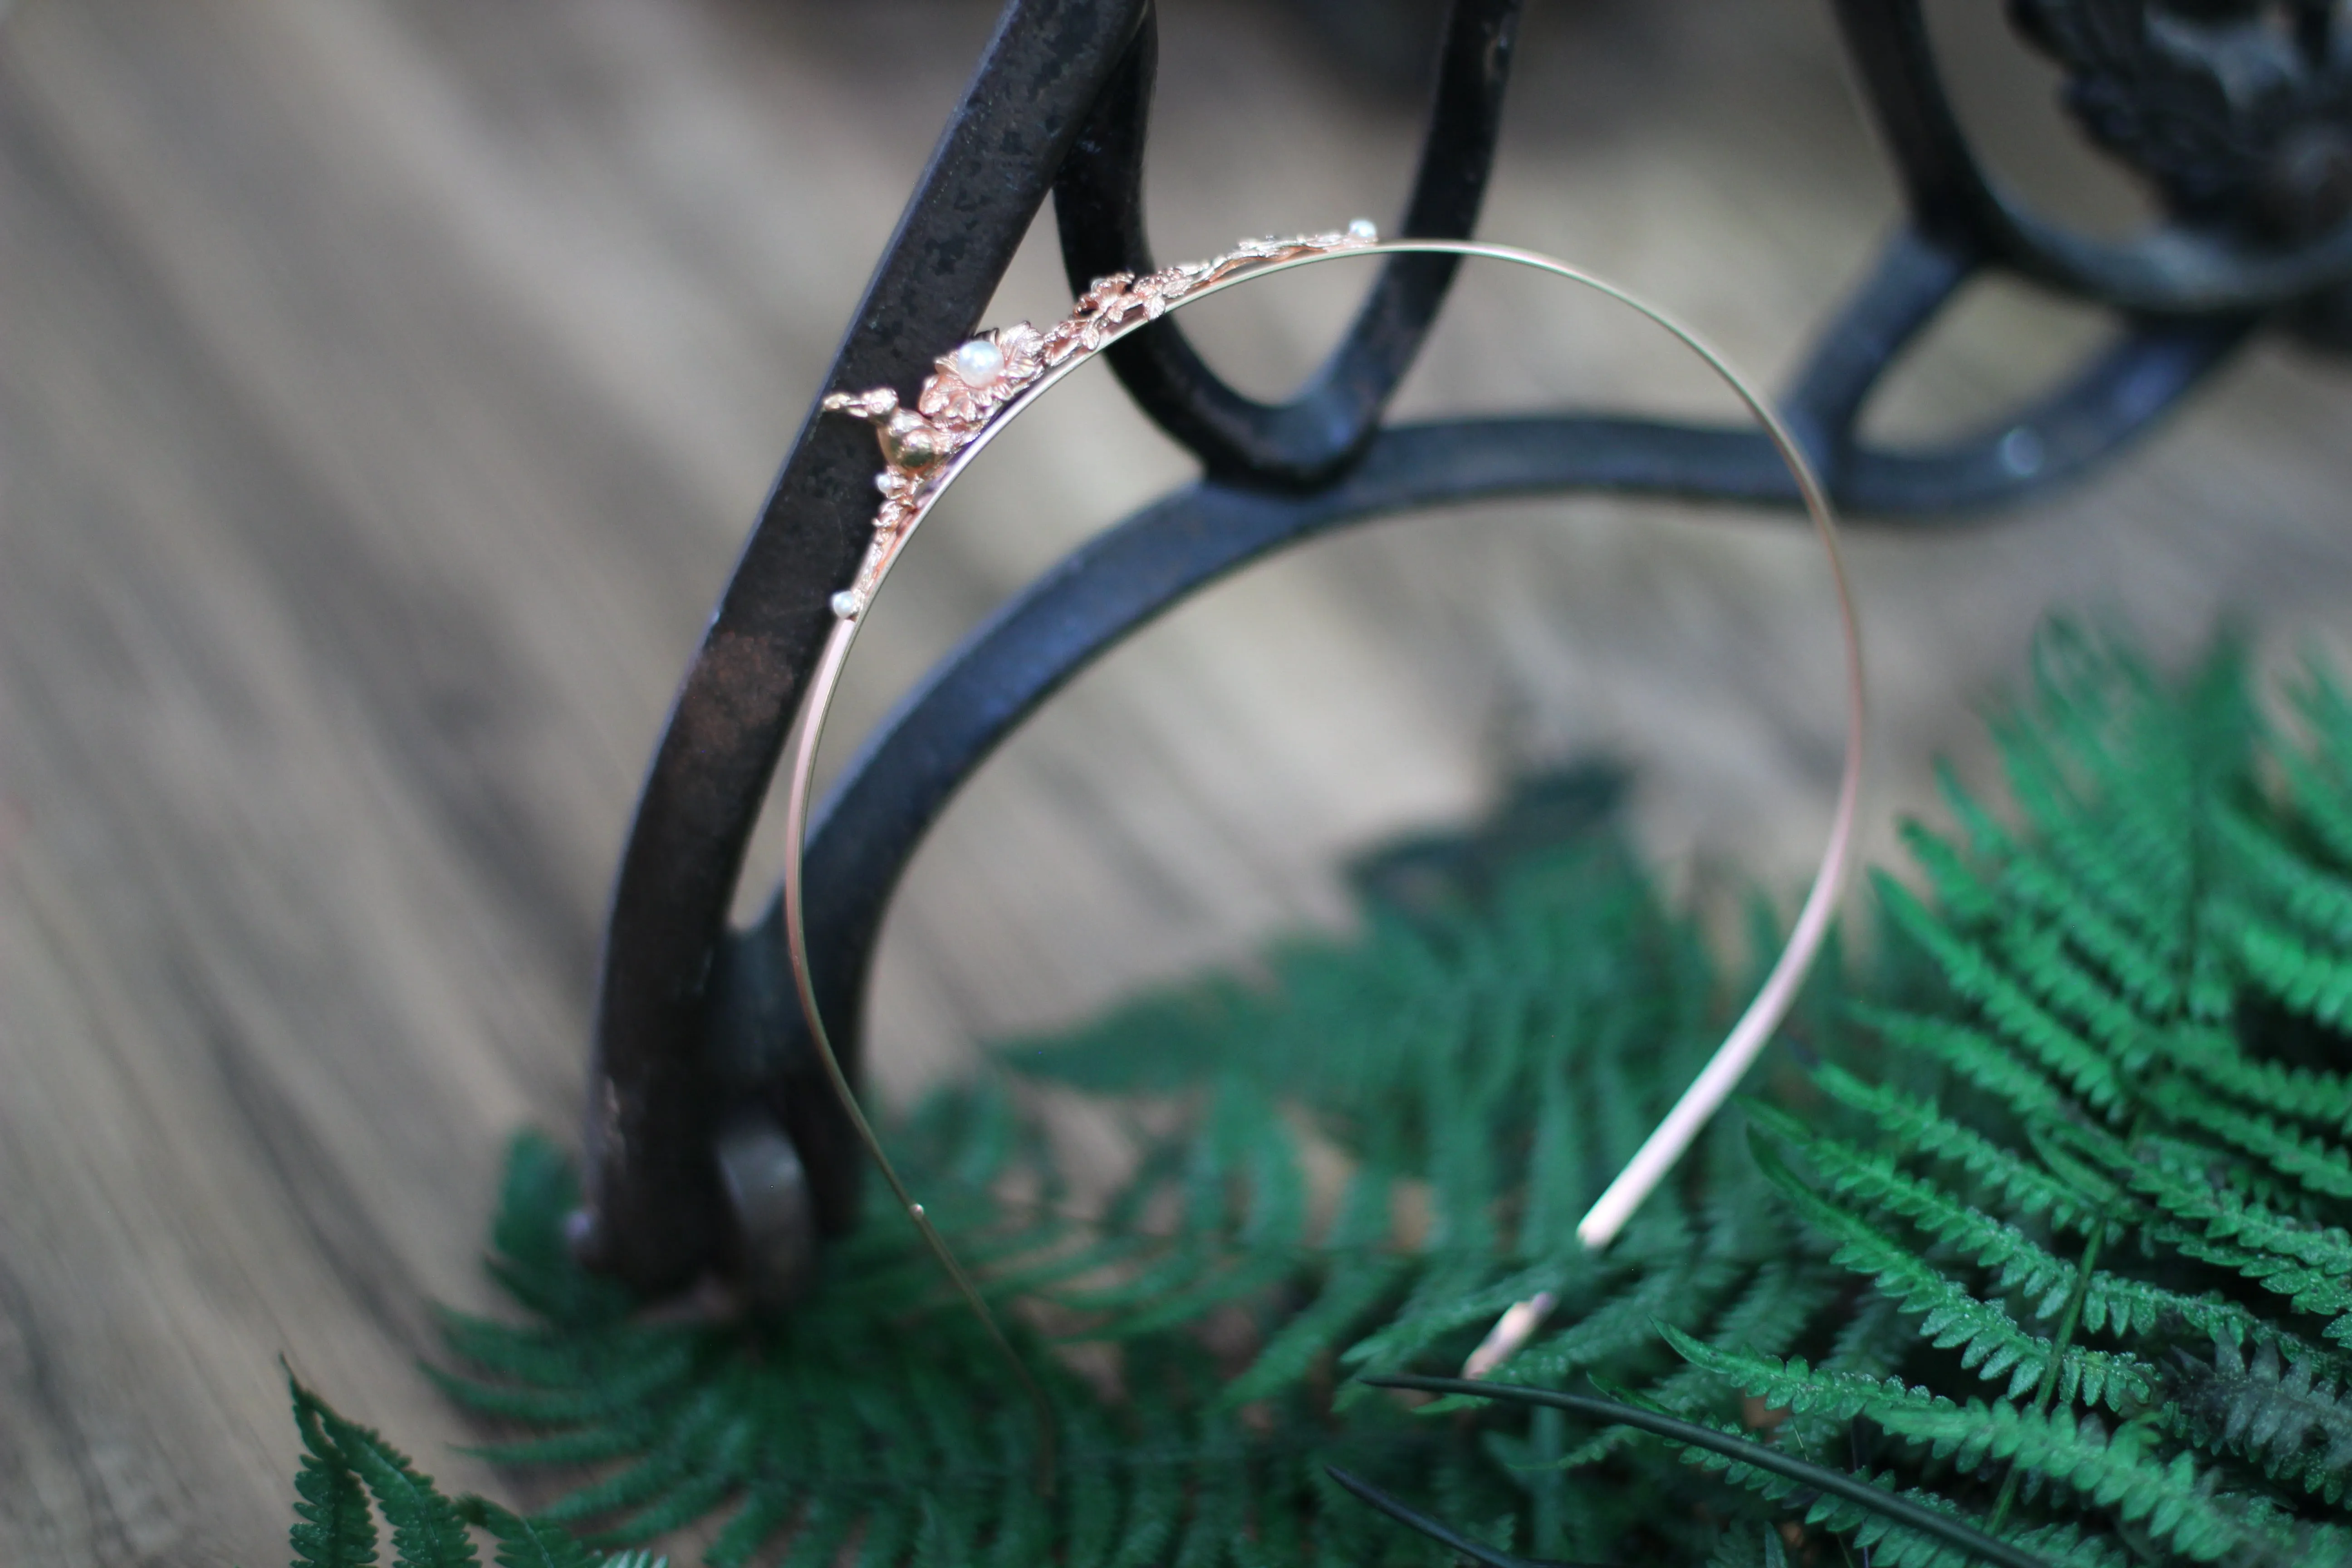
385,384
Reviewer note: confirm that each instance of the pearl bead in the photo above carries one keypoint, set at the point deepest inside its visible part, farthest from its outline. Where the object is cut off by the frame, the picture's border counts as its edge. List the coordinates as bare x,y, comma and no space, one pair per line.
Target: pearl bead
1364,228
978,362
911,442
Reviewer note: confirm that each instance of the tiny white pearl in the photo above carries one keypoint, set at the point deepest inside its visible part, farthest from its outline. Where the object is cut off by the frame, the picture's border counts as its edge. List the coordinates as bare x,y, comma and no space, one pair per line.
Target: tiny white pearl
1364,228
978,362
846,605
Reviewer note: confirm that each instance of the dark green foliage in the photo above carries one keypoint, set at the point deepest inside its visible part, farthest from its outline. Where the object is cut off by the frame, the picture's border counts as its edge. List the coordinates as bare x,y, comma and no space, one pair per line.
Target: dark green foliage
344,1466
1911,1529
2291,1419
335,1526
426,1532
2090,1148
1356,1162
880,1412
532,1543
1498,1054
2054,1241
2098,1156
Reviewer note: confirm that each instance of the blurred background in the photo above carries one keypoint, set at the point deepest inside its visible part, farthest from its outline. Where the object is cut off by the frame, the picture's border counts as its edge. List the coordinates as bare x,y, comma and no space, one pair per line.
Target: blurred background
386,386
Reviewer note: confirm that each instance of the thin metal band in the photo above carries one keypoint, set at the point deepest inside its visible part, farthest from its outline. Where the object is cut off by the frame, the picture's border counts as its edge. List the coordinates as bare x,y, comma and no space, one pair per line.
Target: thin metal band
961,409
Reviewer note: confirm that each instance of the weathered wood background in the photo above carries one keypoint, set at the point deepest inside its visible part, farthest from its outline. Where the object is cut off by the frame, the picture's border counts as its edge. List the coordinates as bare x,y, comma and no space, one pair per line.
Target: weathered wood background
384,385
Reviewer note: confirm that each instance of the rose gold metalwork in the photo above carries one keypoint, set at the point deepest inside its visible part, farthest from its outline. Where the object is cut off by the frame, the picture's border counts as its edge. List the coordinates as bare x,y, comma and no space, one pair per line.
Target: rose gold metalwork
927,447
951,415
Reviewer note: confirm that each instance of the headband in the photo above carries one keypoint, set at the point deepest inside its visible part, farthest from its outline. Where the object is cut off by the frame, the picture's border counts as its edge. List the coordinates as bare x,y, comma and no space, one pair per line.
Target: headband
986,382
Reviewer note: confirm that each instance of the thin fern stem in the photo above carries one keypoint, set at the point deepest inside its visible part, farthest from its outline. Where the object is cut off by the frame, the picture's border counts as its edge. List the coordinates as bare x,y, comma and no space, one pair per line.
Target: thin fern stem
2048,1393
2068,1320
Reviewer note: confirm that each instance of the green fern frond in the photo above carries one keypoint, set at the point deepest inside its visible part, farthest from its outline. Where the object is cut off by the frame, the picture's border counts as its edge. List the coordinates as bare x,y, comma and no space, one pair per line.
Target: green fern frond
2086,1147
335,1526
426,1528
2171,1497
2317,789
1990,1341
1624,1323
1749,1548
2319,1167
1866,1527
1982,978
2110,1303
2174,1500
2019,883
2289,1417
2311,1265
1780,1303
2019,1185
1878,1180
1790,1384
2303,978
1346,1299
1982,1061
529,1542
2272,1088
2316,898
875,1415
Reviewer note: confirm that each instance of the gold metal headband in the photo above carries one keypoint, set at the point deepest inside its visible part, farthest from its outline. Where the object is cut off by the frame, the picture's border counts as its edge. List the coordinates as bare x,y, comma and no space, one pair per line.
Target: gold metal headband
980,388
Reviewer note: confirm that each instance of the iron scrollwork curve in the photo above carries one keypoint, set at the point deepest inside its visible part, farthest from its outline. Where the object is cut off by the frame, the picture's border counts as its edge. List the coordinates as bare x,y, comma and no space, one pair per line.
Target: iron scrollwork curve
713,1141
1306,442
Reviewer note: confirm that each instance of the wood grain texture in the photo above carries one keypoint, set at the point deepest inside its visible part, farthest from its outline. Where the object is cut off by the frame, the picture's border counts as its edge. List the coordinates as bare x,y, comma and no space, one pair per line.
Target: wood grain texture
383,388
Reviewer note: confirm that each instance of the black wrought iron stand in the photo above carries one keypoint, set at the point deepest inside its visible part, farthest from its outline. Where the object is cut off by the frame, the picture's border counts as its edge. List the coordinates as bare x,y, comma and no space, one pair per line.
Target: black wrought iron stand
713,1143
